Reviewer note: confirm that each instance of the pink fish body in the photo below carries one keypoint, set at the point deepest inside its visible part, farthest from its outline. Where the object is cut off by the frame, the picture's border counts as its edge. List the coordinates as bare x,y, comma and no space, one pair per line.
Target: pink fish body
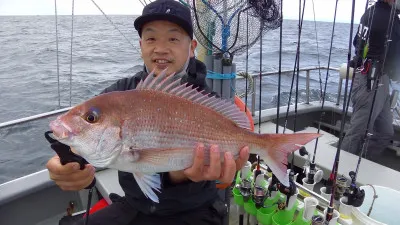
156,127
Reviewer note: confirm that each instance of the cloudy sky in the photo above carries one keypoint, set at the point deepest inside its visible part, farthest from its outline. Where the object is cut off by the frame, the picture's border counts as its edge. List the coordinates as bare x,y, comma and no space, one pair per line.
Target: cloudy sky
324,8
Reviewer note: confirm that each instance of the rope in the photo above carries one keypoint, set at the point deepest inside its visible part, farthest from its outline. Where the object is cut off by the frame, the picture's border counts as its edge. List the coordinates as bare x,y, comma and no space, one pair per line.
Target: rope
249,87
134,47
70,66
58,64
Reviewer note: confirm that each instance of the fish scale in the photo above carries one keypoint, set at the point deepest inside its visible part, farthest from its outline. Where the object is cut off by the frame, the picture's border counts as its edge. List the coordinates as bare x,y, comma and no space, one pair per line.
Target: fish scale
155,128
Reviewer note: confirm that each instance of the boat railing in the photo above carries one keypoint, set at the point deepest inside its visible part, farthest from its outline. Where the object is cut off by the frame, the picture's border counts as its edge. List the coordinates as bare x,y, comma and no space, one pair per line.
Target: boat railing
254,77
307,70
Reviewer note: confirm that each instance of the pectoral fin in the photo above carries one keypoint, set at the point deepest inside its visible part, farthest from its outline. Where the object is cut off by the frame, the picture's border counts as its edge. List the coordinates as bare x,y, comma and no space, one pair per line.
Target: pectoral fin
149,183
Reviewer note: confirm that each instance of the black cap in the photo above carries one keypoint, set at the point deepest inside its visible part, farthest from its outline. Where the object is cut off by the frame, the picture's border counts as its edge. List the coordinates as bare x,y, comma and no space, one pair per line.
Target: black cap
170,10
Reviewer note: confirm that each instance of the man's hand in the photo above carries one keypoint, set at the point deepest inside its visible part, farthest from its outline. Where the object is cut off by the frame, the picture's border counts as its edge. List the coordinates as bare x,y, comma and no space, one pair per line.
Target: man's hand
224,172
69,177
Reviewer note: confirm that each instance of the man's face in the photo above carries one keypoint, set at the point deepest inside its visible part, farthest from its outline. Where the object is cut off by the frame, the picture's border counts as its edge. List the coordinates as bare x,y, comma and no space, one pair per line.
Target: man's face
165,45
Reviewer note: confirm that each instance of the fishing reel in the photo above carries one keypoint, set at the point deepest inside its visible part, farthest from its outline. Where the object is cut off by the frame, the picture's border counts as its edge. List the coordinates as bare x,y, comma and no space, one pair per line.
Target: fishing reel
341,187
355,195
303,152
314,174
288,191
245,189
273,186
317,220
259,196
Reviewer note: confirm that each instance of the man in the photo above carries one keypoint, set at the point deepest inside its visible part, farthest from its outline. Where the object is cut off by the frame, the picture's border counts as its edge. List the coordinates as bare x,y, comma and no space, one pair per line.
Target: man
370,53
189,196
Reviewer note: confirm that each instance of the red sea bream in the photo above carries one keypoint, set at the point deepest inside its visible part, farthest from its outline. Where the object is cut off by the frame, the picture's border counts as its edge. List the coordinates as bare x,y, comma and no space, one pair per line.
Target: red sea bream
156,127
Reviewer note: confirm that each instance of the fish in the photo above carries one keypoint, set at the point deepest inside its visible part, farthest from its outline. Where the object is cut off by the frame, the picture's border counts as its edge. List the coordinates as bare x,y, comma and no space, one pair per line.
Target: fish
156,127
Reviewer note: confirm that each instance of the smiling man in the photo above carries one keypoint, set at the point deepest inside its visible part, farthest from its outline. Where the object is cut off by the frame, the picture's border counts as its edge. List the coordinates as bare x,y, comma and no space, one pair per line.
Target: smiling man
188,196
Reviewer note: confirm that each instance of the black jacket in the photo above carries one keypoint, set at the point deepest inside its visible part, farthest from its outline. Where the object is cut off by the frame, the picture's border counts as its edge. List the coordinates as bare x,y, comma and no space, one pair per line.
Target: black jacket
374,24
173,198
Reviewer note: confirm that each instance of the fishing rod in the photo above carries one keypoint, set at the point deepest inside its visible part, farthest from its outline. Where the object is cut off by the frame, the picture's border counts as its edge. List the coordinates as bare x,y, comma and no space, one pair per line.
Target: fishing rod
312,170
355,195
333,175
316,40
291,190
356,59
296,63
279,70
247,58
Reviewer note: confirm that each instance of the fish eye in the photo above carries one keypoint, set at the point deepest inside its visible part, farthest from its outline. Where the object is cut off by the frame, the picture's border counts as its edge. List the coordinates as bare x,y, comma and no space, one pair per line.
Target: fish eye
92,116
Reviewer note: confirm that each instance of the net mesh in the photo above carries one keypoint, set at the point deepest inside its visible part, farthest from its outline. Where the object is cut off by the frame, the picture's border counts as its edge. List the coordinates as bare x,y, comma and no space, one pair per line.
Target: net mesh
221,25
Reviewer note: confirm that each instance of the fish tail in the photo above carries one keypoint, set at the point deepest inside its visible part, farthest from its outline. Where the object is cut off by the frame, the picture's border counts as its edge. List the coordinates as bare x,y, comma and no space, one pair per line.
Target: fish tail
275,148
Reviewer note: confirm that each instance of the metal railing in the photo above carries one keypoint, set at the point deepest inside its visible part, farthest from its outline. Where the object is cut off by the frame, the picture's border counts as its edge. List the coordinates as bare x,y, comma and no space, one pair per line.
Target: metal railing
306,69
253,96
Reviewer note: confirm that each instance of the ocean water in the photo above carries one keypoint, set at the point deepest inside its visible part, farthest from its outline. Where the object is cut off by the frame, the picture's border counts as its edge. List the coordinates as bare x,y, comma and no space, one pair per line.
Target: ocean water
101,55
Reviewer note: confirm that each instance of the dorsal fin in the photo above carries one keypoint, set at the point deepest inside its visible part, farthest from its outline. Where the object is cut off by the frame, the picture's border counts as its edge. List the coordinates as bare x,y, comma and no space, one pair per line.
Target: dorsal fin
171,85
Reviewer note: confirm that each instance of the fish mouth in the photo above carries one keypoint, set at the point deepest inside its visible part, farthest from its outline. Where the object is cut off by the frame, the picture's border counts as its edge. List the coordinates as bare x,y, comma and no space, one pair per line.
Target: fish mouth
60,130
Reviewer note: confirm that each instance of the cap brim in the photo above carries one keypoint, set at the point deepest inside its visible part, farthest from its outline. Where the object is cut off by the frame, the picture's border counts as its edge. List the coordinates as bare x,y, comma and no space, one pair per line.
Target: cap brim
140,21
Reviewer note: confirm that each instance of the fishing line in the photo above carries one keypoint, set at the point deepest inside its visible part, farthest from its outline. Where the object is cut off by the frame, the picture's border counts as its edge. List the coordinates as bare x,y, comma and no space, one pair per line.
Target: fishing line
295,65
354,71
326,84
142,3
70,65
259,107
134,47
301,16
58,64
319,62
279,70
337,156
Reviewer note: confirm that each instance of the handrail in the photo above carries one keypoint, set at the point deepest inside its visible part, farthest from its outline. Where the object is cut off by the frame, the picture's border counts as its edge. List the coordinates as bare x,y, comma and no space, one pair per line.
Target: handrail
34,117
254,76
312,68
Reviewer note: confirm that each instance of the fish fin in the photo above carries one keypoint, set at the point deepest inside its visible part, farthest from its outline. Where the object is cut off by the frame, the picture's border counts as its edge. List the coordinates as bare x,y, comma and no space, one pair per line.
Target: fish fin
146,82
276,148
148,183
173,86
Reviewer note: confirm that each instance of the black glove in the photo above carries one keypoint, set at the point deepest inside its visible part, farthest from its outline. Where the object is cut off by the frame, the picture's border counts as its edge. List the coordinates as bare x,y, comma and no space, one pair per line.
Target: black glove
66,155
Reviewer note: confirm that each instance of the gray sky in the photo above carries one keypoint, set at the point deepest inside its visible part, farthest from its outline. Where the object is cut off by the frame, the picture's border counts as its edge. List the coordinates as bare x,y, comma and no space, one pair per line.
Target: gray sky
324,8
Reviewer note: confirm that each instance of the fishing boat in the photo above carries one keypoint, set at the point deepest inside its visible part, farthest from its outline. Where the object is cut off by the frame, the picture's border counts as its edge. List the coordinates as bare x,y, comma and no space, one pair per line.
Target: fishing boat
35,199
